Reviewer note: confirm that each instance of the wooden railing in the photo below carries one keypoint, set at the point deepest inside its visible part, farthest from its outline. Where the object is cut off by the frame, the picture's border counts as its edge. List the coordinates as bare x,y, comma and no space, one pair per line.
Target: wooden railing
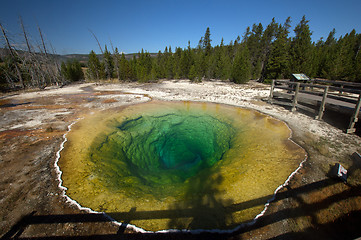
343,92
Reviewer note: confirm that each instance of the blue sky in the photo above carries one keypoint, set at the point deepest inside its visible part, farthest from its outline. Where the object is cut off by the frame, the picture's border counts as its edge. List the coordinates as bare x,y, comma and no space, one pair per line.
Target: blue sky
152,25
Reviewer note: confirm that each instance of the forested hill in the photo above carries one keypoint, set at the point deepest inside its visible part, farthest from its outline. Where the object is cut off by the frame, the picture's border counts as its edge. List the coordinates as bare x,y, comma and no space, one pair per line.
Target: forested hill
82,58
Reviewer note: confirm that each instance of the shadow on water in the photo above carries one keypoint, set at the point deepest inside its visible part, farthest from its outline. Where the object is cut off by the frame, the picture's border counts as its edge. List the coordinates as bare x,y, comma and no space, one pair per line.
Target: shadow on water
345,227
204,199
202,206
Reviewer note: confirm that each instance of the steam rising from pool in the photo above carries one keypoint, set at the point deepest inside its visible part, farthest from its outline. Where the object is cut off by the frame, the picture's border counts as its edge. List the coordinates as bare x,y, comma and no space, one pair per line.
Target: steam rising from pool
178,165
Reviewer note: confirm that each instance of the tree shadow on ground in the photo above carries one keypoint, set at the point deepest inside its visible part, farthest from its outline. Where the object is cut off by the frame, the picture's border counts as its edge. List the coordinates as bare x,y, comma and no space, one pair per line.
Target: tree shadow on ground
344,227
318,230
208,208
10,104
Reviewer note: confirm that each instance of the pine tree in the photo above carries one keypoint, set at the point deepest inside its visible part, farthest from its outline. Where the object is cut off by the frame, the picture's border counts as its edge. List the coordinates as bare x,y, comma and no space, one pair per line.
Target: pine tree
253,40
94,67
266,43
246,35
72,71
358,66
186,62
63,70
102,73
133,68
278,62
154,73
117,59
349,49
192,73
140,68
200,64
108,63
327,55
241,68
207,42
177,63
203,56
124,68
226,61
143,66
357,62
342,57
315,60
161,64
169,64
216,62
301,48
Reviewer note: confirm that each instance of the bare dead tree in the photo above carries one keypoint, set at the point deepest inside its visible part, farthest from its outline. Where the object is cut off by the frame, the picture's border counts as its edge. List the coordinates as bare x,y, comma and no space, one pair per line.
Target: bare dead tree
42,40
44,59
35,66
9,78
14,56
101,50
25,35
40,69
58,68
47,63
29,60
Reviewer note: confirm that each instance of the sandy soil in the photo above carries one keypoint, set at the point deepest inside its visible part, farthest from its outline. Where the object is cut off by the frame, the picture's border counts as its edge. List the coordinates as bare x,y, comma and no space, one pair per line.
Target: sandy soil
32,125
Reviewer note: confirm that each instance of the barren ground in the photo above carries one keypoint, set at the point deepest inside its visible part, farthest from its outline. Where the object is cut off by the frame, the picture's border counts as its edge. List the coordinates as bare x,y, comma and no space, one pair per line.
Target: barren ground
32,124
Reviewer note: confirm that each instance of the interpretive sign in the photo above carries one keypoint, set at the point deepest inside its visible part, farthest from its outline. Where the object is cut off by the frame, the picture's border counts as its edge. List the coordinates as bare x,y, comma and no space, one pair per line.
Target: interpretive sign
339,172
299,77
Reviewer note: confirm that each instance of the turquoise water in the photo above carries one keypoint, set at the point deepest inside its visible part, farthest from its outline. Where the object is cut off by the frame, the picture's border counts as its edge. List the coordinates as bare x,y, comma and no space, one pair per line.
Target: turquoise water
177,165
160,150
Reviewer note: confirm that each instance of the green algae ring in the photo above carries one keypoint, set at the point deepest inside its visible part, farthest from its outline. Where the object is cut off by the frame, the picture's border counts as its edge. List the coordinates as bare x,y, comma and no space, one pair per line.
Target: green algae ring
178,165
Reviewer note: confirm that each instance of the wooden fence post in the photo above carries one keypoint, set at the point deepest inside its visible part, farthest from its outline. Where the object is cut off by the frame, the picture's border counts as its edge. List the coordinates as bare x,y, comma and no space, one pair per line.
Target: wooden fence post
341,92
271,93
294,103
354,118
323,103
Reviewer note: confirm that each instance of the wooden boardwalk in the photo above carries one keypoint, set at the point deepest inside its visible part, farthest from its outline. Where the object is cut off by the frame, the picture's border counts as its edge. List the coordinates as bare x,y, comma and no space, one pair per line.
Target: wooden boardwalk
316,96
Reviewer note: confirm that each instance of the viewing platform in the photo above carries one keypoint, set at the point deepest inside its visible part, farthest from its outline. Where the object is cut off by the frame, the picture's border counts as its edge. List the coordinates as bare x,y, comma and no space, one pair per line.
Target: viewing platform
316,96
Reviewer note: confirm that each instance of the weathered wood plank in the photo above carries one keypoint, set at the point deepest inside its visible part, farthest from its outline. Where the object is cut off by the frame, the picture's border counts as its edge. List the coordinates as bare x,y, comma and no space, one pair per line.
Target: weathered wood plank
271,92
341,83
336,98
354,118
294,103
322,106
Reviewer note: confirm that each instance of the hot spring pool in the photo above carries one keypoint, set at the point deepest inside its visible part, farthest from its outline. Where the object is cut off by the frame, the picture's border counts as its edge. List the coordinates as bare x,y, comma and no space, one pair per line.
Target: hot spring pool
178,165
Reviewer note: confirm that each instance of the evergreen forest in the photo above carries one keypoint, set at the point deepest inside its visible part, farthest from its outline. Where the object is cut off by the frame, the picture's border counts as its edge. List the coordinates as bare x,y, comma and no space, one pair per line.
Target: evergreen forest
262,53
